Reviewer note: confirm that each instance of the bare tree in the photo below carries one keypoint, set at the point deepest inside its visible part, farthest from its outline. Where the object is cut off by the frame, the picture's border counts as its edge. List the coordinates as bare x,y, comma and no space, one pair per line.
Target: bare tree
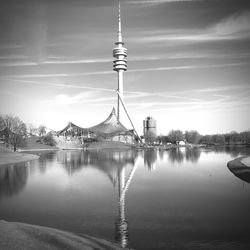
42,130
31,129
14,124
15,130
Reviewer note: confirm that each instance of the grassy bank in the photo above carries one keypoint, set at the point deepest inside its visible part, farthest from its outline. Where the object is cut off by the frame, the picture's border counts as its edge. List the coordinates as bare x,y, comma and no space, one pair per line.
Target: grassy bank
9,157
17,236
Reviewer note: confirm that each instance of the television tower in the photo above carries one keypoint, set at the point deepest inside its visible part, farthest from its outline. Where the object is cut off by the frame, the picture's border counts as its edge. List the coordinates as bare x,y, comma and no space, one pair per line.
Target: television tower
120,65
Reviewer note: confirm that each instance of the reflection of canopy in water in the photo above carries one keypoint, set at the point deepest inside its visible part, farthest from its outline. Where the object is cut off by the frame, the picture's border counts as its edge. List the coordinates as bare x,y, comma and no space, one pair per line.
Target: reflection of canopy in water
106,161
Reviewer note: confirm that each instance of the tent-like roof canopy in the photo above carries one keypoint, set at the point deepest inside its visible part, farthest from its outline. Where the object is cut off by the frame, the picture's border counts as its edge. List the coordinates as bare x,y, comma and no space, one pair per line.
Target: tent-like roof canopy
71,126
110,126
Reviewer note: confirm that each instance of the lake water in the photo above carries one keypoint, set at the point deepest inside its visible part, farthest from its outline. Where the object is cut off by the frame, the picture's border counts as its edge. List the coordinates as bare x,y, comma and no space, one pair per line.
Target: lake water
175,199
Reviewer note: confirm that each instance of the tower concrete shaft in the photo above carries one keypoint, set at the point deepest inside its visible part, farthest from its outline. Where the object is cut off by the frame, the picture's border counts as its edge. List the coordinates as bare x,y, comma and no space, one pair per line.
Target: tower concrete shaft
120,65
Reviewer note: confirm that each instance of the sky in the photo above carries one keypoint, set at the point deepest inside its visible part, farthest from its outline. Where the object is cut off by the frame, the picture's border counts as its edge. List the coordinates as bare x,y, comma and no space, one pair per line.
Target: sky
188,62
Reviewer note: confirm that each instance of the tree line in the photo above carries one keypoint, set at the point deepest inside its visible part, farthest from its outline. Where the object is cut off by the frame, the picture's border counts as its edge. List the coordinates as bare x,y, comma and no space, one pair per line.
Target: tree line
14,132
193,137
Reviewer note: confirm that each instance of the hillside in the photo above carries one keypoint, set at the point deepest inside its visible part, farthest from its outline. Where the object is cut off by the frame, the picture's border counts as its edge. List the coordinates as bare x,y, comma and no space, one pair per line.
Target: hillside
32,144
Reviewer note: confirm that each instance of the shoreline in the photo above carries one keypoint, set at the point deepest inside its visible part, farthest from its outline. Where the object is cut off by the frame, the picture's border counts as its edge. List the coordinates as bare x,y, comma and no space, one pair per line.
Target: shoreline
16,235
38,149
242,162
240,167
7,158
109,146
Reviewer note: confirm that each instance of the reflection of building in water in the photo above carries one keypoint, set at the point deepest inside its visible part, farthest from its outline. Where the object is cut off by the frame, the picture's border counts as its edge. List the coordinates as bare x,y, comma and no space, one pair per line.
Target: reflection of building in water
150,157
13,179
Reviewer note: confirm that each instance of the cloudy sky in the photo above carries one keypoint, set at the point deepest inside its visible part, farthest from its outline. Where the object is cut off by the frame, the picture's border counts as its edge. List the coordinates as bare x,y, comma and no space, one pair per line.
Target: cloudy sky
188,62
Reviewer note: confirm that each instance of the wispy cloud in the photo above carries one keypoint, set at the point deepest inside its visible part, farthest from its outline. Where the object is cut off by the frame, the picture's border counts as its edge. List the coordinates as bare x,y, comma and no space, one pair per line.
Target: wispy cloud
9,93
10,46
16,60
55,85
129,94
77,61
65,99
210,55
28,75
154,2
221,89
17,64
221,103
170,68
234,27
191,67
12,57
212,100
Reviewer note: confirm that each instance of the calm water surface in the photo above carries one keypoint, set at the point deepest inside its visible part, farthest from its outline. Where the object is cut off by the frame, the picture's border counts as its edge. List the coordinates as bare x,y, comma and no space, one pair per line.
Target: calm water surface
176,199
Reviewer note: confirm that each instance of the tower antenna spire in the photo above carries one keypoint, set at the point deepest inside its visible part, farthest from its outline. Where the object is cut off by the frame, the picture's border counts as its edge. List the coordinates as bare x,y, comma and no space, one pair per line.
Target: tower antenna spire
119,23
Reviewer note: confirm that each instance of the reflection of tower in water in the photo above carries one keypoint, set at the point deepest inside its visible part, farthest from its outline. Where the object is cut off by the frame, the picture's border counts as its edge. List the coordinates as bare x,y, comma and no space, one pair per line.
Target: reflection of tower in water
114,164
121,225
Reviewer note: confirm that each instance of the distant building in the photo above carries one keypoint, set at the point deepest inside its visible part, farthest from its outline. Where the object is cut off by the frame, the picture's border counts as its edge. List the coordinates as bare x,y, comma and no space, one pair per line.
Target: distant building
149,129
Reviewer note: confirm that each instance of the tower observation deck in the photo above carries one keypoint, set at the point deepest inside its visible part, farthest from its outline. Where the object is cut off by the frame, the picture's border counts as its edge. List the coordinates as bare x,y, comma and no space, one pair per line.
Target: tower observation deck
120,65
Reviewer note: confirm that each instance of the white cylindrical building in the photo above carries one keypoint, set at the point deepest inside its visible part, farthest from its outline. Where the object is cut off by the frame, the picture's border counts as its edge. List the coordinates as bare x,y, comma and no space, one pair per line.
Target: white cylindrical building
149,129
